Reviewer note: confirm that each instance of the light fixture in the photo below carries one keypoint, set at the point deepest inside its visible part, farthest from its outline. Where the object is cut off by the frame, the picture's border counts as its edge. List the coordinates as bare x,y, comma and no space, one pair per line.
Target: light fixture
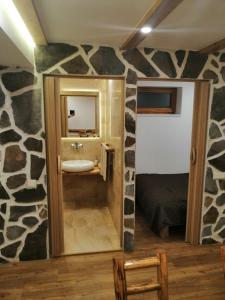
146,29
16,18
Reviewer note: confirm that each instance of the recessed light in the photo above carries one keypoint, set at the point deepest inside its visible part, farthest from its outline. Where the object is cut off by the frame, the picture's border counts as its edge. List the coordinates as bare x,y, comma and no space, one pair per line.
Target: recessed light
146,29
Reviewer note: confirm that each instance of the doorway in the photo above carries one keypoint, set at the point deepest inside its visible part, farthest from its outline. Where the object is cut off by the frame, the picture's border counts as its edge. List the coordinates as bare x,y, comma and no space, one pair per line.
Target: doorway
172,119
84,127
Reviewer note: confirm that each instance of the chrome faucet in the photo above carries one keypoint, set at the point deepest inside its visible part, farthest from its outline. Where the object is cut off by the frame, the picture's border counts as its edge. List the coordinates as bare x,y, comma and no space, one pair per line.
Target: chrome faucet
76,146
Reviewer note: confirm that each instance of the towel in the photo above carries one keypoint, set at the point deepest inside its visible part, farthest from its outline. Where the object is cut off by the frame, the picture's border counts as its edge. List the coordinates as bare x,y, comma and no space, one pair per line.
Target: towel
104,160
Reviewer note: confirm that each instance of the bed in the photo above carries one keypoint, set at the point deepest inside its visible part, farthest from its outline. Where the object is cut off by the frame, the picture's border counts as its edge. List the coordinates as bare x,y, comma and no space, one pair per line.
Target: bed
162,199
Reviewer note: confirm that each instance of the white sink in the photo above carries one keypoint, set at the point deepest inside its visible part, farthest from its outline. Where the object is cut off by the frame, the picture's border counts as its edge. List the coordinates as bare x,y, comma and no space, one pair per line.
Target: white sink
77,165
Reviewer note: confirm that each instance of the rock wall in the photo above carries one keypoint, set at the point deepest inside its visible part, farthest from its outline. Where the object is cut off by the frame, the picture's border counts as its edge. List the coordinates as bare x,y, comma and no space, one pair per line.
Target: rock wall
23,212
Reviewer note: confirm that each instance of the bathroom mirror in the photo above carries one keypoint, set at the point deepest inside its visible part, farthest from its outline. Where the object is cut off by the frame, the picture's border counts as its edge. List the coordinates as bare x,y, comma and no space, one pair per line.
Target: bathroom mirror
80,114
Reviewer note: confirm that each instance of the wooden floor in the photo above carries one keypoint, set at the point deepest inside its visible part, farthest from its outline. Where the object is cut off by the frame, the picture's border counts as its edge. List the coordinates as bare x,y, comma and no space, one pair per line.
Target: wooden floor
194,273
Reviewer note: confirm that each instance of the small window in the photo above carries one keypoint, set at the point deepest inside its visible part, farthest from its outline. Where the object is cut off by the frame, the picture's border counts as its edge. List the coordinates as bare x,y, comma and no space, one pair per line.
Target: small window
156,100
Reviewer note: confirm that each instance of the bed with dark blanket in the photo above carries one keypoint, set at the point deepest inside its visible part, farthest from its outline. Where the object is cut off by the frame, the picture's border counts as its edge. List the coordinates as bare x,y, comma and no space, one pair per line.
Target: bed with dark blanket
162,198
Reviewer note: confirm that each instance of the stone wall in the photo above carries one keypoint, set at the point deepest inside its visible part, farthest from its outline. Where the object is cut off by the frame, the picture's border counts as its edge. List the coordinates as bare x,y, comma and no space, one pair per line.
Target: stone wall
23,212
89,60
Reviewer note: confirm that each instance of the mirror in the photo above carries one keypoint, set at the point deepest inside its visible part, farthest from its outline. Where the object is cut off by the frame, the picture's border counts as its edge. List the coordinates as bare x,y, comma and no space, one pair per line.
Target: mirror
80,114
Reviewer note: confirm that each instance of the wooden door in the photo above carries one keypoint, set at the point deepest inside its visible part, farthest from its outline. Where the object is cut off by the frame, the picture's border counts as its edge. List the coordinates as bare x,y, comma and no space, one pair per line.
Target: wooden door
53,145
197,161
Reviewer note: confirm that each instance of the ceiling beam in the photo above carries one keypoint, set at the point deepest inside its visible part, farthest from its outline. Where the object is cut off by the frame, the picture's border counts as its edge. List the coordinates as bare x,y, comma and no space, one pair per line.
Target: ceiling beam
155,15
219,45
28,13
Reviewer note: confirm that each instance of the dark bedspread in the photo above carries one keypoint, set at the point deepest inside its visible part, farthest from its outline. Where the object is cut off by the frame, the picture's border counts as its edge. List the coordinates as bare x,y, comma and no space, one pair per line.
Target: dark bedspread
162,198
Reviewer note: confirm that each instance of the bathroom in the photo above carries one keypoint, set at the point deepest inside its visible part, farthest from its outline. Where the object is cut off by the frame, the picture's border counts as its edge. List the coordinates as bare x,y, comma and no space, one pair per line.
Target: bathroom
89,113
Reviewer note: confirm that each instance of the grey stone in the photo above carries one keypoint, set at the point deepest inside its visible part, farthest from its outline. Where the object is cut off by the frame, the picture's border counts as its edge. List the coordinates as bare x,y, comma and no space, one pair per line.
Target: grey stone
222,184
214,131
180,54
220,200
218,162
37,166
4,120
9,136
16,181
148,51
218,104
222,57
130,159
30,195
76,65
131,92
27,111
129,223
43,135
131,77
210,75
194,65
164,62
130,190
210,183
3,208
10,250
3,194
105,62
2,223
43,213
220,224
130,124
211,216
131,105
222,72
128,241
2,98
30,221
18,211
207,241
14,81
216,148
3,67
208,201
207,231
33,144
3,261
87,48
130,141
214,63
14,232
50,55
15,159
222,233
127,176
35,244
1,238
128,207
135,58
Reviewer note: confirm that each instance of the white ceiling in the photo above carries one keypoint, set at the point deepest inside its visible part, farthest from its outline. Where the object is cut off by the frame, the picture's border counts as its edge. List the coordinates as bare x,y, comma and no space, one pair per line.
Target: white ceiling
192,25
10,54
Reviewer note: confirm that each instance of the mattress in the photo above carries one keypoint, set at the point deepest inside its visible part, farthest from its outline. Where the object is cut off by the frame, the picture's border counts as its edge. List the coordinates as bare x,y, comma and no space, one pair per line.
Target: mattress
162,198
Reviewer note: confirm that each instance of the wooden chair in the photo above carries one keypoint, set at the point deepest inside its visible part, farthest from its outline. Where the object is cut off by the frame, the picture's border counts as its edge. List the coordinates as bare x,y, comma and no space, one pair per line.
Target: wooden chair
222,251
122,291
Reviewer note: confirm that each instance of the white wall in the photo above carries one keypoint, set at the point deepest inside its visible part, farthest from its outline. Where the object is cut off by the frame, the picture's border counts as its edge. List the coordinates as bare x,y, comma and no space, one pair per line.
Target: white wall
163,141
84,112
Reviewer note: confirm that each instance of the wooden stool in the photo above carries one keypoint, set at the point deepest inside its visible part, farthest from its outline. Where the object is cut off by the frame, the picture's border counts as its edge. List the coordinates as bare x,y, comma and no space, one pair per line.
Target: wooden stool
120,267
222,251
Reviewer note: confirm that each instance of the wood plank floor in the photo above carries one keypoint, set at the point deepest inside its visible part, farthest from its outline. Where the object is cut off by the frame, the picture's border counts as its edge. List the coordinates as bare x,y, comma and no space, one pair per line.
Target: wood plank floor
194,273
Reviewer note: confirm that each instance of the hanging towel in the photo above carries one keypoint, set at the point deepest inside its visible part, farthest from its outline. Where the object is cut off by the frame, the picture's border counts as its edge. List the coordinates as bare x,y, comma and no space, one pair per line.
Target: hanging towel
104,160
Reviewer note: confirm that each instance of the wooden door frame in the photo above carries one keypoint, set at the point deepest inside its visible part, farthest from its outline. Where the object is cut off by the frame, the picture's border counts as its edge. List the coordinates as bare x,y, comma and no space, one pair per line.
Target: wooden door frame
202,97
53,156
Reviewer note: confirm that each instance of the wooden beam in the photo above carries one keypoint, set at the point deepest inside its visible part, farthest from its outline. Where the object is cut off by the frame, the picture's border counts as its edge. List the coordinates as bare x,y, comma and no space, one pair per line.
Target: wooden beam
28,13
155,15
213,47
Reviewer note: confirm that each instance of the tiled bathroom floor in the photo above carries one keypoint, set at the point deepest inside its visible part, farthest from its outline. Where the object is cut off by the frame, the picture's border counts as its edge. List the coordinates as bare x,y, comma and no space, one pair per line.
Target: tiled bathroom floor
88,230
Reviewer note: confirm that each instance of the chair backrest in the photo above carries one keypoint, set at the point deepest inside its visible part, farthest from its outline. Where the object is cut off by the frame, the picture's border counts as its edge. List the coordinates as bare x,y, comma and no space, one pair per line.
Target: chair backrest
122,290
222,251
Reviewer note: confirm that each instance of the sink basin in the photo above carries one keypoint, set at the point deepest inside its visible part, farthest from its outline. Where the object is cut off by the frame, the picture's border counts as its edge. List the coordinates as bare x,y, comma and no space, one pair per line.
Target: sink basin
77,165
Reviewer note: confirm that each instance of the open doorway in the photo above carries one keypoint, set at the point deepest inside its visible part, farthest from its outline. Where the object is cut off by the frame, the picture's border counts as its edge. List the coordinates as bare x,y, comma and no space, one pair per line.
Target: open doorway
170,152
84,145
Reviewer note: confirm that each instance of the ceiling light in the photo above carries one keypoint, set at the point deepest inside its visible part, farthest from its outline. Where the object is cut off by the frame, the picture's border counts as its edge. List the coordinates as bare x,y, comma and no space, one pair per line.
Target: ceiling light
146,29
16,18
